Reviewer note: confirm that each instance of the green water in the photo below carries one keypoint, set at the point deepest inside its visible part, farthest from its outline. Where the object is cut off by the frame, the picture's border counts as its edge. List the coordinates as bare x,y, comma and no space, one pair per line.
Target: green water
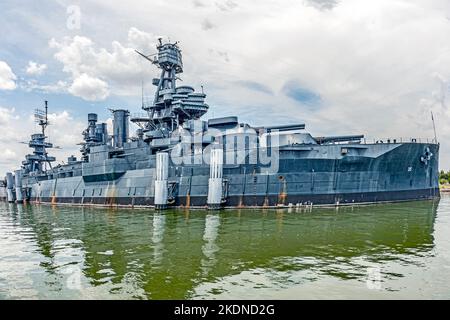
384,251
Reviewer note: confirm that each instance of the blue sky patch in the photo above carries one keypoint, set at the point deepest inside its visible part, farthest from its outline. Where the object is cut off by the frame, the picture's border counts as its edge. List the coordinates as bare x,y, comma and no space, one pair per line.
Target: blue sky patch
305,96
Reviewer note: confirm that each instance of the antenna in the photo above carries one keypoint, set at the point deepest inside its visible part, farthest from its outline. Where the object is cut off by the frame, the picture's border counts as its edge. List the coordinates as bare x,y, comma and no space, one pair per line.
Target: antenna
434,127
142,94
41,117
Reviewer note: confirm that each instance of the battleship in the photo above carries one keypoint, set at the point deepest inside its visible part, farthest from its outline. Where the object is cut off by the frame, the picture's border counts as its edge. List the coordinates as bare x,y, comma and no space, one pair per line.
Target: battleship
177,159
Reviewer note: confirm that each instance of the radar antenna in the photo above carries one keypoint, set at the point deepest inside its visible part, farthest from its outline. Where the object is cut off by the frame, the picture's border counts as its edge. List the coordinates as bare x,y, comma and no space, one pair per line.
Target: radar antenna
41,117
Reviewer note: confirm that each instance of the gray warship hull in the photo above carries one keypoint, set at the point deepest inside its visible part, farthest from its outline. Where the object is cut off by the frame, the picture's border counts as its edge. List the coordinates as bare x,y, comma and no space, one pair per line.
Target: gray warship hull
178,160
392,173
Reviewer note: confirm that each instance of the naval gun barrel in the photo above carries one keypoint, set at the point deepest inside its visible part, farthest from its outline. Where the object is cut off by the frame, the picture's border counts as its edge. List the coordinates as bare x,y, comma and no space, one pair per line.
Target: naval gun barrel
289,127
120,127
321,140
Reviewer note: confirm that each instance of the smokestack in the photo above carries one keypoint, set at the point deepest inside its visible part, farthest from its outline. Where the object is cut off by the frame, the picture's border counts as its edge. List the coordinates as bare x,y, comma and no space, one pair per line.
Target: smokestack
92,120
101,131
120,127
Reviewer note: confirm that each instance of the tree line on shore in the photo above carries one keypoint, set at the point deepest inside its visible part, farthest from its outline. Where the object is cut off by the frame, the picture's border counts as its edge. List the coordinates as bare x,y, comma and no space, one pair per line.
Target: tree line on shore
444,177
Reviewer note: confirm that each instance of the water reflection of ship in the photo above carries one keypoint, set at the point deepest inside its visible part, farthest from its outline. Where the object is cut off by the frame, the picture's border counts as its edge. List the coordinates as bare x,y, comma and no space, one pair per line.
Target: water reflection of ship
210,247
30,217
168,255
37,233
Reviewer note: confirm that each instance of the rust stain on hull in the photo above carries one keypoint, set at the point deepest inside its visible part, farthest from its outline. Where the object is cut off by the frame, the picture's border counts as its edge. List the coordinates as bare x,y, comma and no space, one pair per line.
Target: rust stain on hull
188,200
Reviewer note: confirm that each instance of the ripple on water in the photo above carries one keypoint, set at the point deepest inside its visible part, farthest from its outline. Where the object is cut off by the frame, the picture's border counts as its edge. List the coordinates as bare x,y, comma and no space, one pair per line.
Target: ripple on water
72,252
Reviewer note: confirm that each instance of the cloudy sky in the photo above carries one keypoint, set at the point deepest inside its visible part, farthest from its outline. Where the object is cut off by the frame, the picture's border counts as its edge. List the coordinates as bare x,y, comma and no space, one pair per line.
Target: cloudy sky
341,66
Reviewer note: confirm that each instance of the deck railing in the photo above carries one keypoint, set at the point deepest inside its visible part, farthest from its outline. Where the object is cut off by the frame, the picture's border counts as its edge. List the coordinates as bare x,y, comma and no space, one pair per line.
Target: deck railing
398,140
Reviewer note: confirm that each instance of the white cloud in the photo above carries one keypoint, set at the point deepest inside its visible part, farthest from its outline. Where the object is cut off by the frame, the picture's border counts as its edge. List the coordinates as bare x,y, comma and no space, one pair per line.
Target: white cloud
89,88
140,40
94,70
13,132
110,125
35,69
226,5
60,134
33,85
6,115
207,24
9,154
322,4
7,77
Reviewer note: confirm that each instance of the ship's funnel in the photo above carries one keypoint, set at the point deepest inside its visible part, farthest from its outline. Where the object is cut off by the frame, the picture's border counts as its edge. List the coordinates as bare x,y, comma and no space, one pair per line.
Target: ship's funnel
92,119
101,132
120,127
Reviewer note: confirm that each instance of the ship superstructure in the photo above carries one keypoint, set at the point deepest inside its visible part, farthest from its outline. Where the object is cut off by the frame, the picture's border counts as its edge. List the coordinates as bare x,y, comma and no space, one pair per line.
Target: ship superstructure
37,161
177,159
172,105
